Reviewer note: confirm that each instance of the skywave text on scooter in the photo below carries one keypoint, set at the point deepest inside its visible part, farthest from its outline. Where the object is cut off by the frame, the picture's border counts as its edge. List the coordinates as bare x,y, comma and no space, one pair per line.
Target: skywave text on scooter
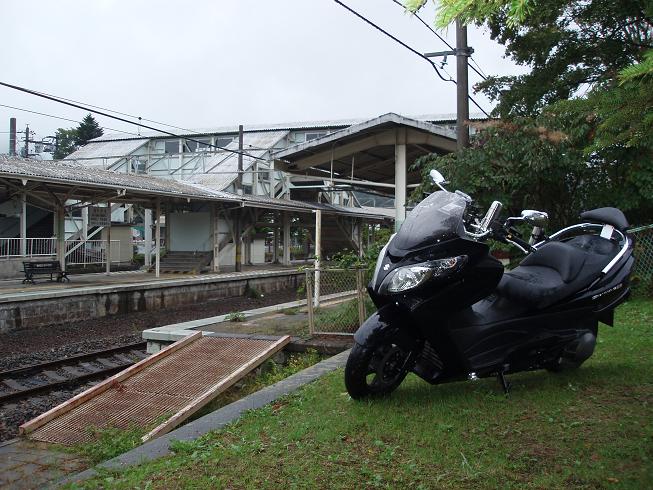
447,311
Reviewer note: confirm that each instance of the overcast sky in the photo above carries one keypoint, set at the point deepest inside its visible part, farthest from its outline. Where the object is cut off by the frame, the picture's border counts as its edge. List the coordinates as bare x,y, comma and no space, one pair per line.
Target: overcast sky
200,64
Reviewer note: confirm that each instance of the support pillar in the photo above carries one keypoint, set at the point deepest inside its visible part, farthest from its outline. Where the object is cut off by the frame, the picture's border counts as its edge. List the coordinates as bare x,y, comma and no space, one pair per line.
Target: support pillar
238,239
157,238
359,236
286,239
108,257
85,223
60,224
400,179
215,238
23,224
275,240
318,254
147,226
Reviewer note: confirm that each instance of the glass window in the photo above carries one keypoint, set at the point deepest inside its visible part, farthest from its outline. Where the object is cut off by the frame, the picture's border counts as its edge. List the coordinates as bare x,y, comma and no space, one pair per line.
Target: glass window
313,136
172,146
223,141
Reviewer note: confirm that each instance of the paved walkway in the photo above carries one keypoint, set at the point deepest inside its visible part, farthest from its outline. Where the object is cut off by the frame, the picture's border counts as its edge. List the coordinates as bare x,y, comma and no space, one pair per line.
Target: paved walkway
27,465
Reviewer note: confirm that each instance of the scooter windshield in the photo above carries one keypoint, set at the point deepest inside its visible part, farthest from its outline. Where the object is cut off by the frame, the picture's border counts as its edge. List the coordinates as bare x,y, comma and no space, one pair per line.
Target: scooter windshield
438,217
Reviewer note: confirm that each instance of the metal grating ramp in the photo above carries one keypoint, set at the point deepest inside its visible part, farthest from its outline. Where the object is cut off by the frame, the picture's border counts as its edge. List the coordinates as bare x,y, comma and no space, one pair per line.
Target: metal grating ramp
170,385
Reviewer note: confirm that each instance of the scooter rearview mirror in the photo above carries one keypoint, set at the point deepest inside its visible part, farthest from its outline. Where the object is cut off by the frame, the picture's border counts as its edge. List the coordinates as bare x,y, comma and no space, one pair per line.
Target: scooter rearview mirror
436,177
535,218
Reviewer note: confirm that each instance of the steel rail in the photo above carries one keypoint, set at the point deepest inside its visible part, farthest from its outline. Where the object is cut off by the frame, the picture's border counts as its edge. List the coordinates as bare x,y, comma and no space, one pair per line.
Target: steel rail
39,368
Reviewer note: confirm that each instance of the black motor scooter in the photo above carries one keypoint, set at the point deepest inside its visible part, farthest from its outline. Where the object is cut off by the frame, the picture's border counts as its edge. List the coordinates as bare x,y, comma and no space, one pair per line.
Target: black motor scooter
447,311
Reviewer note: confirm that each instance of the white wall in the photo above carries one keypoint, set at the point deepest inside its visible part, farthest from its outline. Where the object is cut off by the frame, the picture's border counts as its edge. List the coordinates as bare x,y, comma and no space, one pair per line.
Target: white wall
190,232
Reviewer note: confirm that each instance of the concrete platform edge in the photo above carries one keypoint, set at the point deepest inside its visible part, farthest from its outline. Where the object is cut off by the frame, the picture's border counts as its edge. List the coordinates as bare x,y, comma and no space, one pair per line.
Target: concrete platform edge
176,331
140,286
215,420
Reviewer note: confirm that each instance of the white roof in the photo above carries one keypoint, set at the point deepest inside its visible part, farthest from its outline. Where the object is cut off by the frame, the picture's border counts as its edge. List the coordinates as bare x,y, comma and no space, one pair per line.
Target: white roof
96,153
297,125
225,165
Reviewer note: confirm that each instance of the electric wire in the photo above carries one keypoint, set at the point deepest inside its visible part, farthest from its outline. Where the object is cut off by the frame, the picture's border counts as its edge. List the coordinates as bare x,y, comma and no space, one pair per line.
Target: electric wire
115,112
95,111
63,118
426,24
414,51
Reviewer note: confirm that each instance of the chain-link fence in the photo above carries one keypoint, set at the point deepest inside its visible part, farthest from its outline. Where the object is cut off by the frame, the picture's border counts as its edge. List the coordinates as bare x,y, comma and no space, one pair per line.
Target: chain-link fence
642,277
337,300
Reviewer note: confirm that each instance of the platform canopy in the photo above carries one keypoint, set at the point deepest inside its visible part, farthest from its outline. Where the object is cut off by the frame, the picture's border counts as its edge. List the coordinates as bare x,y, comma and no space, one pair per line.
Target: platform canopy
373,154
50,184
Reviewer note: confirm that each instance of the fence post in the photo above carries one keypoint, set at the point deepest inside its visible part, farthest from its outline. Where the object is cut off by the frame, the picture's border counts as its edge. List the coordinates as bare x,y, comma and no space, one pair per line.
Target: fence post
361,296
309,302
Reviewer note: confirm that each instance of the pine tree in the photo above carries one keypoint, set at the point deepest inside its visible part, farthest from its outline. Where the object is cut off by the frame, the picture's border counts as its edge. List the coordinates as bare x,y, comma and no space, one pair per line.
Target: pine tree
87,130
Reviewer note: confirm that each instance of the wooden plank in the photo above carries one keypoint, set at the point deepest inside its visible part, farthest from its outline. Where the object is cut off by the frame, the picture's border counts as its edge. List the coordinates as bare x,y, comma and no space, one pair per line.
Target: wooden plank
77,400
215,390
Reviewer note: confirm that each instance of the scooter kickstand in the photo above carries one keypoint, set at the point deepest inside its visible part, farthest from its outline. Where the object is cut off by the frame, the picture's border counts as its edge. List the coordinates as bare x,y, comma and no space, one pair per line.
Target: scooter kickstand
505,384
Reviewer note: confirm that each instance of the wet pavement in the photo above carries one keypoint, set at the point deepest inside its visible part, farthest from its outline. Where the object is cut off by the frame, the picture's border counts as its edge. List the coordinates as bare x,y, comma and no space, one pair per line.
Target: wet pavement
27,465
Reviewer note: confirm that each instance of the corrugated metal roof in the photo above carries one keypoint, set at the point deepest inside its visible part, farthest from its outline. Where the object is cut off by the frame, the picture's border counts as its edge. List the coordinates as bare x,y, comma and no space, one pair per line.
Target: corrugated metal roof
385,119
97,151
255,144
75,173
288,126
69,173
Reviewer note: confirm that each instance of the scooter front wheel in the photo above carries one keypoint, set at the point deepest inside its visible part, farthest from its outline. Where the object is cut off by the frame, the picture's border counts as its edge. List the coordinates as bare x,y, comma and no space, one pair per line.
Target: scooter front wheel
375,370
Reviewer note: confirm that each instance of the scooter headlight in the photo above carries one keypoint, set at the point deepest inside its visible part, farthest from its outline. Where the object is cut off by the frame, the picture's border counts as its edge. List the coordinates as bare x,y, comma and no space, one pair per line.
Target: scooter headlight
409,277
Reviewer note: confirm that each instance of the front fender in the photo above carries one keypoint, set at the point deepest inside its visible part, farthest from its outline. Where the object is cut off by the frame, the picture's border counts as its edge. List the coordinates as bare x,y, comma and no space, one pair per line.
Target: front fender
389,323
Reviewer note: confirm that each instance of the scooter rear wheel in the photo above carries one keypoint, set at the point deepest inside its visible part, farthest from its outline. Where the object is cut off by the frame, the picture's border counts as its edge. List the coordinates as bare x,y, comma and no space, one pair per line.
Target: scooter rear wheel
374,370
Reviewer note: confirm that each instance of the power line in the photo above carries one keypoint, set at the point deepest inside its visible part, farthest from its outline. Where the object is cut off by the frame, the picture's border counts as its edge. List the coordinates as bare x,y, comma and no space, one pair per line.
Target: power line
412,50
94,111
365,19
443,40
63,118
115,112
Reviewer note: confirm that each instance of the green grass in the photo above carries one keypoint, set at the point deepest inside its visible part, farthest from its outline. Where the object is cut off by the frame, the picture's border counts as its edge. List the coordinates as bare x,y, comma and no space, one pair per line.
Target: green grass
590,428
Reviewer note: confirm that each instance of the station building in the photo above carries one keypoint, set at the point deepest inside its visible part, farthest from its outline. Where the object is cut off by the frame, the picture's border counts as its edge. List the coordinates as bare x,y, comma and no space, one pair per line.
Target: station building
112,197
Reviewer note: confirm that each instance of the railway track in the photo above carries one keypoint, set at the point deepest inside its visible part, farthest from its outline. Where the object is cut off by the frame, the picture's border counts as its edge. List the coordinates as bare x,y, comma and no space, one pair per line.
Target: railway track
27,381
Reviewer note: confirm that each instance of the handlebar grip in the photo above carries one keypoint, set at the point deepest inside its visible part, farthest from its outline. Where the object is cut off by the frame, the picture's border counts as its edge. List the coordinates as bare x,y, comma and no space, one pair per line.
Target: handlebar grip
490,216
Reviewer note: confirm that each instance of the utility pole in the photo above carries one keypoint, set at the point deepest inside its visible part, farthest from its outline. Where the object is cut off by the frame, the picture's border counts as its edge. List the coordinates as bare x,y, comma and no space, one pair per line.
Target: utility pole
239,186
462,106
26,141
462,53
12,136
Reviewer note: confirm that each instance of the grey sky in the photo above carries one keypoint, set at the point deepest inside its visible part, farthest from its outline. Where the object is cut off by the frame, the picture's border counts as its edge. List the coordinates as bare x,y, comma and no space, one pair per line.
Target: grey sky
199,64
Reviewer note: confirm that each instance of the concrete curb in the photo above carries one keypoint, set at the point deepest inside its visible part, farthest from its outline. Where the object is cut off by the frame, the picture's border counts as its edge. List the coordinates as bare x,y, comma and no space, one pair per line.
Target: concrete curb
215,420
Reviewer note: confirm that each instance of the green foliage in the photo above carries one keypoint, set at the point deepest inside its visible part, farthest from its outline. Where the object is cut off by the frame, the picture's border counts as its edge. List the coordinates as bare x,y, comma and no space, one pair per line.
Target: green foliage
65,143
87,130
569,46
69,140
468,11
639,71
348,259
235,316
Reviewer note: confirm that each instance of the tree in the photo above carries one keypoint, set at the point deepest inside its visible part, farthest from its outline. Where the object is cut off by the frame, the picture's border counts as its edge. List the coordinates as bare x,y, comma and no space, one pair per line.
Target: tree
602,153
87,130
570,45
65,143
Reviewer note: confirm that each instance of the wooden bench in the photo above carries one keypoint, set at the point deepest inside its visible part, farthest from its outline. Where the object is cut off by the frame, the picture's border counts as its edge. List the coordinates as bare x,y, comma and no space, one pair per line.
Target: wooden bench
44,268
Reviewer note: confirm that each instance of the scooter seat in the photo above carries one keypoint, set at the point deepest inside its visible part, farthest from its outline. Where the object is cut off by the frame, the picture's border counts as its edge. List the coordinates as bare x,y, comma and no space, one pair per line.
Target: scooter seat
556,271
